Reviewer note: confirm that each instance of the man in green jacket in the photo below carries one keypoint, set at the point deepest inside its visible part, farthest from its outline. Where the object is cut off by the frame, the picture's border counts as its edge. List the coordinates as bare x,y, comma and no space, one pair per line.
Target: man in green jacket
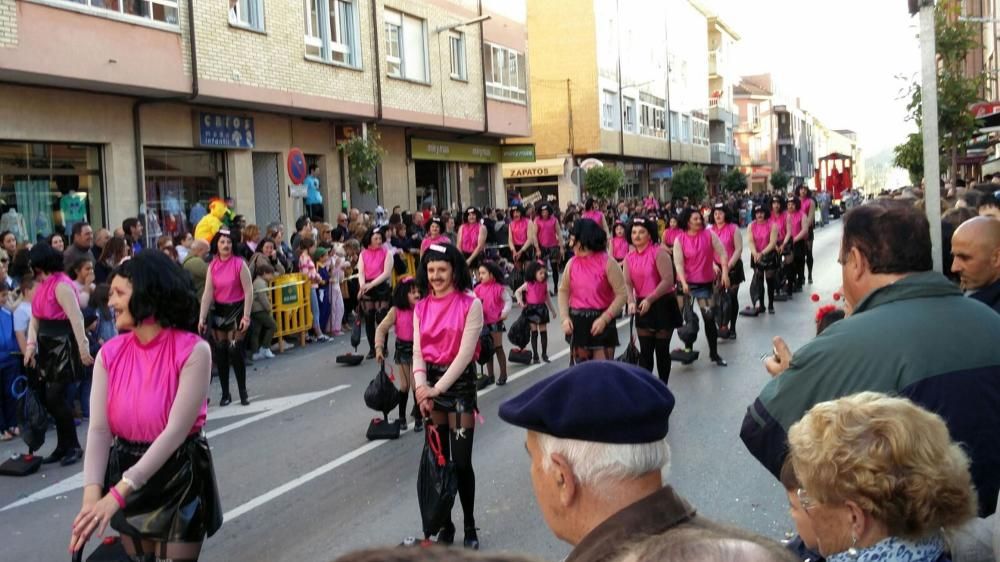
196,265
911,333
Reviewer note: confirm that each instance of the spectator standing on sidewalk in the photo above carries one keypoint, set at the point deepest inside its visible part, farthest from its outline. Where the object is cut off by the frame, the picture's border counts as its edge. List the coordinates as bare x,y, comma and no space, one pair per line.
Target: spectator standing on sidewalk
81,243
10,369
262,325
133,234
314,198
196,266
976,250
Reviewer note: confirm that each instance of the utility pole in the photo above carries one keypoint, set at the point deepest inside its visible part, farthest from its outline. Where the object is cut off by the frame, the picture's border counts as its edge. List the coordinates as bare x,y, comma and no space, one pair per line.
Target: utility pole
929,95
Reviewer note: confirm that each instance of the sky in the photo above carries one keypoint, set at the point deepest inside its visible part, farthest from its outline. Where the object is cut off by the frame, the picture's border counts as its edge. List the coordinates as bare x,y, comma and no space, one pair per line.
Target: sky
841,58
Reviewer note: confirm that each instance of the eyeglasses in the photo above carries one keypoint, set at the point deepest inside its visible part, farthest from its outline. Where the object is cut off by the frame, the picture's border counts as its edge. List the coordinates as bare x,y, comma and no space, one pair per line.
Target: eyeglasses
804,499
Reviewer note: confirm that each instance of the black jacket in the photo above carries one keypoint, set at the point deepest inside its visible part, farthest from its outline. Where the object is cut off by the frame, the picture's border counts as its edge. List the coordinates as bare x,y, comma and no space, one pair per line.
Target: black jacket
990,295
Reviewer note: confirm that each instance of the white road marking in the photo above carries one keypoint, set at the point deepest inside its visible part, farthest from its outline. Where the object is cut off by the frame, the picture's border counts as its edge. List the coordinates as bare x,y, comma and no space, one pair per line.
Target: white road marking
367,447
263,409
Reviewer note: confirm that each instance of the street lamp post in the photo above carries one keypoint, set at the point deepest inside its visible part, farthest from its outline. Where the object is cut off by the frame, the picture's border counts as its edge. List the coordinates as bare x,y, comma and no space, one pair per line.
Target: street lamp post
928,92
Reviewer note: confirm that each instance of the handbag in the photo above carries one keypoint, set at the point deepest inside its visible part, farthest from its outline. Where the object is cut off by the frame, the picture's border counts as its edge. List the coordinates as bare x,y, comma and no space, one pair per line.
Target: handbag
380,428
522,356
631,354
32,417
381,394
486,347
437,484
515,279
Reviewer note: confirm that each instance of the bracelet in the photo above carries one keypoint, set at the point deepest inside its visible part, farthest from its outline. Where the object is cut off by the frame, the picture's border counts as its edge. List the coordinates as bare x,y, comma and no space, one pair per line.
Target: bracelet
419,371
118,497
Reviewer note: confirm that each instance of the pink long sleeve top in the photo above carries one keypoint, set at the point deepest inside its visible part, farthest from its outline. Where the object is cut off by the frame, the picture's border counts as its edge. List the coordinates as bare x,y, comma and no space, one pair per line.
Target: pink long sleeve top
45,305
149,393
496,301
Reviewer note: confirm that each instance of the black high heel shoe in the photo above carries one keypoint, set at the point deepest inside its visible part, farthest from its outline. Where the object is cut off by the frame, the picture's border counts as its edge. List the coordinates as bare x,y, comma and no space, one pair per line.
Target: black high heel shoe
447,535
471,539
226,400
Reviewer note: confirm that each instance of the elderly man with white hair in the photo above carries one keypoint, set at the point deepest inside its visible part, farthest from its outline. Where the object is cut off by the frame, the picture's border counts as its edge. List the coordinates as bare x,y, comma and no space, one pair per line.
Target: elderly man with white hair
597,441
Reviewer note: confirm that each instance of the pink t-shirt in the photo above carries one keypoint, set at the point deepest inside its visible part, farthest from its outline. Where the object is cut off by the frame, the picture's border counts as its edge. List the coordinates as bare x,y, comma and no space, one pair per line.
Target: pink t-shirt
595,215
45,306
470,237
780,221
442,321
439,239
699,255
761,232
588,279
619,247
727,235
536,293
374,262
797,223
547,232
642,270
807,205
226,279
404,325
143,382
670,235
491,295
519,231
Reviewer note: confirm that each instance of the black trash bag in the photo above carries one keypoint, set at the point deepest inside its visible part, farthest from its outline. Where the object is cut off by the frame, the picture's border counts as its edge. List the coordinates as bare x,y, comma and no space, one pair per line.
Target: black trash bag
32,417
757,287
486,347
437,484
631,354
519,333
381,394
356,329
515,279
688,333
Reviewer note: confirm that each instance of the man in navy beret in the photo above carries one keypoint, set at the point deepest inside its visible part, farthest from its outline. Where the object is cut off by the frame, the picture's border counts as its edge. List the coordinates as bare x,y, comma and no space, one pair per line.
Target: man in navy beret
597,441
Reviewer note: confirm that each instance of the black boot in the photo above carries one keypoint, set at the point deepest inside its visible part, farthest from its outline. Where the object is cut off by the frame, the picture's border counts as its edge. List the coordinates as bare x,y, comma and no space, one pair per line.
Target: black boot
222,361
447,534
471,538
237,355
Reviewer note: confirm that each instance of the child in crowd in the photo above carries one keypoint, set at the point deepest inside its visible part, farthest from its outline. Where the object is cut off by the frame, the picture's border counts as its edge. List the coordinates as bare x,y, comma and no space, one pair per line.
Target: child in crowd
322,258
105,317
400,319
496,305
533,296
619,244
10,369
338,265
262,325
308,268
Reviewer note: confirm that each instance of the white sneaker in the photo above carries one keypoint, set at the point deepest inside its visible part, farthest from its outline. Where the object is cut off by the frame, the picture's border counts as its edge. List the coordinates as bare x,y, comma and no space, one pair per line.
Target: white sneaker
257,356
267,353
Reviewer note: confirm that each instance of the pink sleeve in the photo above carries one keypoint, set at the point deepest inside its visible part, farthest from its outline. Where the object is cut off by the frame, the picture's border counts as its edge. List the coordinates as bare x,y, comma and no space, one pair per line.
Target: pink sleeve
466,350
192,390
419,366
95,462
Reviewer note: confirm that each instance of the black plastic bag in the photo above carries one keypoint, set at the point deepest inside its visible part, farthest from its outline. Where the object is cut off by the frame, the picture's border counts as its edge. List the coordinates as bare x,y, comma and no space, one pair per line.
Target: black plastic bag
437,484
515,279
32,417
486,347
381,394
356,330
519,333
688,333
631,354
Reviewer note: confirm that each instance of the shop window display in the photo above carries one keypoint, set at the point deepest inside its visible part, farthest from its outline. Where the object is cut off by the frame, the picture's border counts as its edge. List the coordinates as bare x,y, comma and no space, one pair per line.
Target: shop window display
179,185
48,187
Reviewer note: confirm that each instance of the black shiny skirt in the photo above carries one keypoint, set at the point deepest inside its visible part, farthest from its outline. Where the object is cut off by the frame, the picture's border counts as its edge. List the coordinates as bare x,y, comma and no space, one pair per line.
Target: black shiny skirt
663,314
226,316
583,319
528,254
404,352
58,354
461,397
537,313
180,503
381,293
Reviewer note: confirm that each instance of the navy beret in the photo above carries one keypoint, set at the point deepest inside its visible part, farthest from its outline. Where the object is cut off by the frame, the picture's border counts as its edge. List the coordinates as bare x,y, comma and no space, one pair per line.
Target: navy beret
600,401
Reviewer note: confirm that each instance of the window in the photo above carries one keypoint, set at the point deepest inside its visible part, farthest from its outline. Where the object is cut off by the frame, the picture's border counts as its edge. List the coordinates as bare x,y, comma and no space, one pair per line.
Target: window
332,31
675,126
457,43
179,185
405,47
247,13
609,110
506,74
755,116
156,10
628,115
685,128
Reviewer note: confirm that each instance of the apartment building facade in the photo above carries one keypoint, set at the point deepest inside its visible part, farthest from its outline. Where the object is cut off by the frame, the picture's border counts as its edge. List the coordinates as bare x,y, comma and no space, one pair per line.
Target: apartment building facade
108,108
617,84
723,116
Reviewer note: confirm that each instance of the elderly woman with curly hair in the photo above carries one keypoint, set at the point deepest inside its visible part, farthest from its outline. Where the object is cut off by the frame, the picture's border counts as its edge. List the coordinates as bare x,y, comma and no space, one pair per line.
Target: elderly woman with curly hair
881,479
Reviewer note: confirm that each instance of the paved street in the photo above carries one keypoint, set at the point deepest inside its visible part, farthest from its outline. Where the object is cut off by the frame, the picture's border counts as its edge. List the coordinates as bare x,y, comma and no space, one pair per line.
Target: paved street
299,481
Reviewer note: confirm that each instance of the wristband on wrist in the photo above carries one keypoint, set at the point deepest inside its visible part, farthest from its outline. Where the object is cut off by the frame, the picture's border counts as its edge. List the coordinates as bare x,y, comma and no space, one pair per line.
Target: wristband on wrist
118,497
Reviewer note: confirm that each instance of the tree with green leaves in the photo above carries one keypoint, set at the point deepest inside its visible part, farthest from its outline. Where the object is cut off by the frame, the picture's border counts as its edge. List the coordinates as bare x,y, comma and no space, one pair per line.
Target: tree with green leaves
735,181
364,154
956,91
910,157
779,180
689,182
603,182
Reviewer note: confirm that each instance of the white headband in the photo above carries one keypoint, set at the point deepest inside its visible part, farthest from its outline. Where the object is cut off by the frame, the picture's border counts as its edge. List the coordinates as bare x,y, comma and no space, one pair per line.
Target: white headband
438,248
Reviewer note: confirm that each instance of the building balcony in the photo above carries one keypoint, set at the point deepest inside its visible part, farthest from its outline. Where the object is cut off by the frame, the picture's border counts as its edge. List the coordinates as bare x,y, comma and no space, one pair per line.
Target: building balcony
724,154
722,113
748,127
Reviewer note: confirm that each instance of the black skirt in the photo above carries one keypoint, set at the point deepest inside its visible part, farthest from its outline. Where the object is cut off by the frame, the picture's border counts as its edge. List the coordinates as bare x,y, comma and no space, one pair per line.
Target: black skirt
736,273
537,313
58,354
663,314
180,503
583,320
461,397
381,293
496,327
768,262
474,264
226,316
528,254
404,352
552,254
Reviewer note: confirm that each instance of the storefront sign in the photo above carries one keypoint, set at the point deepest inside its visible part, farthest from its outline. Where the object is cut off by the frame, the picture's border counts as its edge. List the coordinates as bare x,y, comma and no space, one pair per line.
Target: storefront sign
982,109
517,153
550,167
225,131
427,149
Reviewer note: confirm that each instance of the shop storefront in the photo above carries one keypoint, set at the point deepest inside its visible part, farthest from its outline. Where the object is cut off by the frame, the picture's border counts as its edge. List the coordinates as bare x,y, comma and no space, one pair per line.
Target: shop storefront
450,175
534,182
48,187
179,185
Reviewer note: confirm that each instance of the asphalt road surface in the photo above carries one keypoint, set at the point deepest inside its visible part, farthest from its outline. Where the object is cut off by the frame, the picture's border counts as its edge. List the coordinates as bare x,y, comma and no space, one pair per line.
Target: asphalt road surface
300,482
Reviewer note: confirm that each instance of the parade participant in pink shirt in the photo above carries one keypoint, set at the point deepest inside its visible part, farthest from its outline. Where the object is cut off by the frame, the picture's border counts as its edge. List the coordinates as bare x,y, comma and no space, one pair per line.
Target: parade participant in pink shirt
673,231
533,296
472,237
809,210
521,237
799,227
696,251
497,302
619,243
148,471
592,211
591,294
447,324
650,287
728,233
400,320
762,235
550,241
228,296
435,234
375,270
